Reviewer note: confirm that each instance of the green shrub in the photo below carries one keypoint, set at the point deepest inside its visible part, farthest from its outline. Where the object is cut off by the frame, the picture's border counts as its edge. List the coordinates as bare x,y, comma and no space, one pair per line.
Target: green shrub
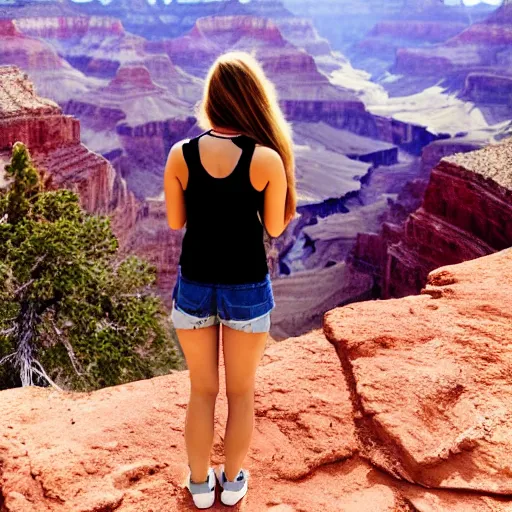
72,312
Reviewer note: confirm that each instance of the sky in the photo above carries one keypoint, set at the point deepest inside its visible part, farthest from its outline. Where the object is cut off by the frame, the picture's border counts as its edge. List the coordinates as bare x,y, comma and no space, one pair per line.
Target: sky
473,2
447,2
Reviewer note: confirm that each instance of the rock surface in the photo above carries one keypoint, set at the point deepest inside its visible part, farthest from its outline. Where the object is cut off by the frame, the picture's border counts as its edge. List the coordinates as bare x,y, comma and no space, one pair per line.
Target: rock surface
137,118
134,459
54,77
475,62
321,441
430,377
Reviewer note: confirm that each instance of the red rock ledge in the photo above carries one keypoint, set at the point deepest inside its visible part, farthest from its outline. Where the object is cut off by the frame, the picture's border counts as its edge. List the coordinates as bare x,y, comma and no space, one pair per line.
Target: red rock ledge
431,377
428,400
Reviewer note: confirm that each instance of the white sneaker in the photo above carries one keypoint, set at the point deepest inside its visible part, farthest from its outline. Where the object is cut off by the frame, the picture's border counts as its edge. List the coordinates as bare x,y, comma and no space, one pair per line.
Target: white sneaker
203,493
232,491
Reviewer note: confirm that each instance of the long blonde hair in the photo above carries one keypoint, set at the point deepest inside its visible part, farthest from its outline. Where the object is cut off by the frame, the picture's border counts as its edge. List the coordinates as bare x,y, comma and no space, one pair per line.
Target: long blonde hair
238,96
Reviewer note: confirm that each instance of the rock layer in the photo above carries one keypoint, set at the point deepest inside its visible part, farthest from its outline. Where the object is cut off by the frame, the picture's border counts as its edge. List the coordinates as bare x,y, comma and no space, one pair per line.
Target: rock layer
54,143
466,213
476,61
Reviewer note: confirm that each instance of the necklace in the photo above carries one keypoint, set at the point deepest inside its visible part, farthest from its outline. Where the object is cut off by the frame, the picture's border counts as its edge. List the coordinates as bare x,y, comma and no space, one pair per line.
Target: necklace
223,135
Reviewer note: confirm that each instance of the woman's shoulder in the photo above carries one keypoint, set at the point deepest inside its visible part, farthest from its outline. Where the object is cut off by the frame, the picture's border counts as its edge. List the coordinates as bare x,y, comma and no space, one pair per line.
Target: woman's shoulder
176,159
266,158
177,146
266,166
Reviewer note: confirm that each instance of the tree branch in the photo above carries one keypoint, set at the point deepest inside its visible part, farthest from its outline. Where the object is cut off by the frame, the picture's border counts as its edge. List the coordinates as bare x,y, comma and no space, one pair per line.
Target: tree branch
38,261
7,357
71,353
44,375
17,293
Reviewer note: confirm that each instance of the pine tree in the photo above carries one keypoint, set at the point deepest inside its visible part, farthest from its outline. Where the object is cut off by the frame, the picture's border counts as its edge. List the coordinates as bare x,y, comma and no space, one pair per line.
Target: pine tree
72,312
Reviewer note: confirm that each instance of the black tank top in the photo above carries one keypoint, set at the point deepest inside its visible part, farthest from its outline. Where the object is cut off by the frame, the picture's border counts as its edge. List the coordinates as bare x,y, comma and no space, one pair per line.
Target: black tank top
223,242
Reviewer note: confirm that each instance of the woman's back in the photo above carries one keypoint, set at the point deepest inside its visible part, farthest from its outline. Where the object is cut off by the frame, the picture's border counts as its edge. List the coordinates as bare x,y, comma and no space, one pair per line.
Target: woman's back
224,237
226,192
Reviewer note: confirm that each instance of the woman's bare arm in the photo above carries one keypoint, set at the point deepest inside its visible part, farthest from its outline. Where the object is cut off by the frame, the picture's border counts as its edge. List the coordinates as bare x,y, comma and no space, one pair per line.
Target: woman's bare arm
175,173
270,170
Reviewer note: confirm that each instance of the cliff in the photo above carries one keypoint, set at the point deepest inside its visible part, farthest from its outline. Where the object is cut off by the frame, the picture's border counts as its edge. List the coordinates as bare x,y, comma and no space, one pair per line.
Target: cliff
388,429
476,59
344,184
306,94
346,22
466,213
134,121
54,143
53,76
429,378
66,25
420,30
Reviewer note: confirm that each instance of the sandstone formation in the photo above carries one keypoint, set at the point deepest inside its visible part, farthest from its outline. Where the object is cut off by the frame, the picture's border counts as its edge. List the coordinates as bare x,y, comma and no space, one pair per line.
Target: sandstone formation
134,459
475,62
53,76
376,52
134,117
430,377
389,429
361,185
96,45
173,19
302,33
318,243
306,94
100,46
466,213
368,32
64,25
54,142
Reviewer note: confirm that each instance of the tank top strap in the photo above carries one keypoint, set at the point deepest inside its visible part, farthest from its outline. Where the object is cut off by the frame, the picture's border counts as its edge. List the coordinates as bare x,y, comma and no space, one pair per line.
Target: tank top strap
247,146
191,155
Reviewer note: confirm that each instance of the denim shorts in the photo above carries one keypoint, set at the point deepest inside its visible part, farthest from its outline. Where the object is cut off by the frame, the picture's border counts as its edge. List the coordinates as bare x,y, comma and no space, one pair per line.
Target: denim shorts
243,307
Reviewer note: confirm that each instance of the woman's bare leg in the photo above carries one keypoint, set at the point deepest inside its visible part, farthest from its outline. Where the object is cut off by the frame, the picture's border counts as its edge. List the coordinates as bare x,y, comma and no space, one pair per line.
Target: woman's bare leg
201,350
242,355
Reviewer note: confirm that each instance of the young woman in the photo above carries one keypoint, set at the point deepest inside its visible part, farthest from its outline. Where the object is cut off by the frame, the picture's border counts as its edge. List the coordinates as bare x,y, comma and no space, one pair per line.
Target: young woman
227,185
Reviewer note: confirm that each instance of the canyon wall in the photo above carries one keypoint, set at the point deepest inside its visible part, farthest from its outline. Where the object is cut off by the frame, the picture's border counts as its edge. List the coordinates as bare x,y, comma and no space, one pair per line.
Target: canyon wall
466,213
306,94
53,140
476,59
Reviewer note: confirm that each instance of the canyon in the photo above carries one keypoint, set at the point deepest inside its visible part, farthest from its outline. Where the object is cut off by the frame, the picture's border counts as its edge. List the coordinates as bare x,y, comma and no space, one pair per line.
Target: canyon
400,113
475,63
363,154
397,405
